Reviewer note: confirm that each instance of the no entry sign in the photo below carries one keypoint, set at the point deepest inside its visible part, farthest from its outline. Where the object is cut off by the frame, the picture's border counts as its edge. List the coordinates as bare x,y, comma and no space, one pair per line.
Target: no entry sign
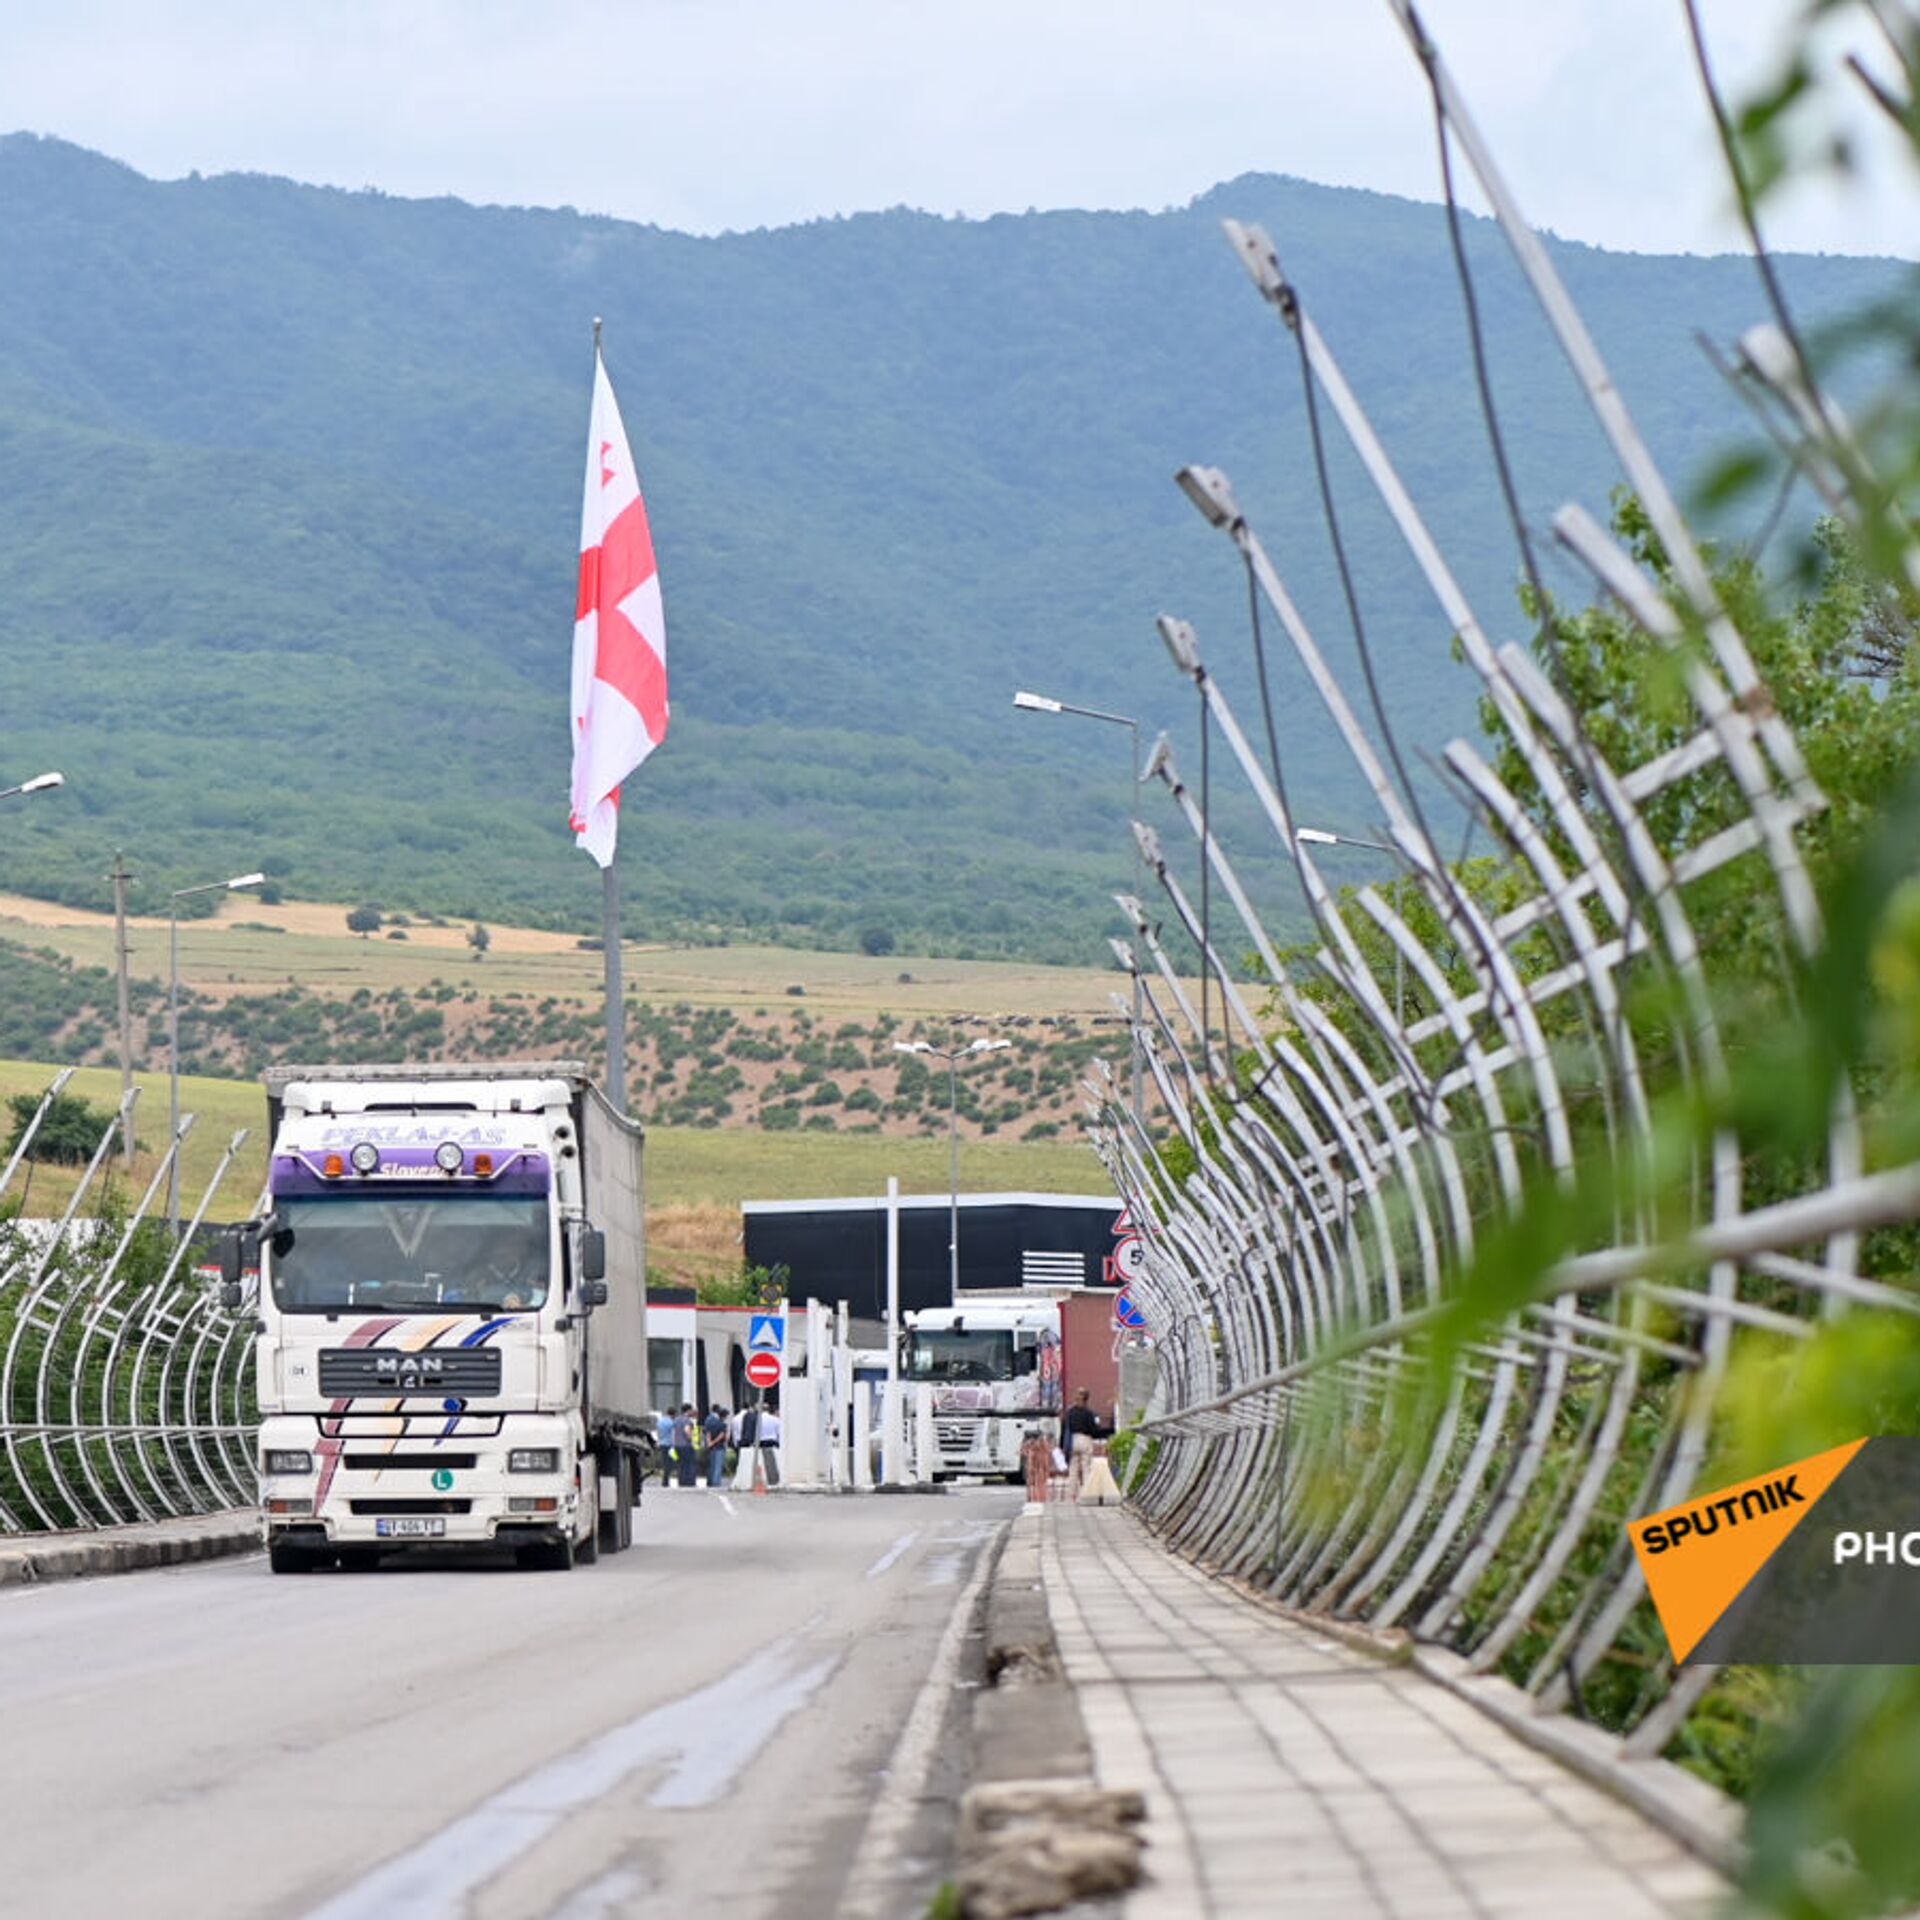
763,1369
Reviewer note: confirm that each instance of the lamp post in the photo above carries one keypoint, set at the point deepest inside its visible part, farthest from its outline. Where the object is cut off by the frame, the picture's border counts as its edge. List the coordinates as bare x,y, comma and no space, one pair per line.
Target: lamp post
234,885
38,784
952,1056
1044,703
1320,837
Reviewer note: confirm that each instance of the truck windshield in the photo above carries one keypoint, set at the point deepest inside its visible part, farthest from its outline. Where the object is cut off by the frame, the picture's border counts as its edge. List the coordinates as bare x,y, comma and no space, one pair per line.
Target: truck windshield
946,1354
394,1254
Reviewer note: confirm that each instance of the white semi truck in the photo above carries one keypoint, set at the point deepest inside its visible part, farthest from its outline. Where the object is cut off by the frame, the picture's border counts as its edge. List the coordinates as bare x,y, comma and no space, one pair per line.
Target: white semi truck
1003,1367
995,1368
452,1314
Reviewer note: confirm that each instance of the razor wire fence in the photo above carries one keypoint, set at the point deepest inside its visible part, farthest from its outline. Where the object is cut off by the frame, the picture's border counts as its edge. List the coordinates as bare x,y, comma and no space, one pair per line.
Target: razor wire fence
126,1389
1477,1061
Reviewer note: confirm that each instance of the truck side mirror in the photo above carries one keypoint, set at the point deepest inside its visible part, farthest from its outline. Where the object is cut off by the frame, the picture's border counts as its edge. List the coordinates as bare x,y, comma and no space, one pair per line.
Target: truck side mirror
230,1296
593,1256
592,1293
232,1258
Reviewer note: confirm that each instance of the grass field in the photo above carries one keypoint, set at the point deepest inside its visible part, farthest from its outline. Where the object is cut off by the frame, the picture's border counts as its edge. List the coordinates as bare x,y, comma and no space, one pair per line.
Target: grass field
693,1166
686,1166
253,946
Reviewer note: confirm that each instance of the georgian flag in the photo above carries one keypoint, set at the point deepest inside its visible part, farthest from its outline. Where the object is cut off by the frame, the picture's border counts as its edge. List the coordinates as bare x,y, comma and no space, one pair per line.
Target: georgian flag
619,632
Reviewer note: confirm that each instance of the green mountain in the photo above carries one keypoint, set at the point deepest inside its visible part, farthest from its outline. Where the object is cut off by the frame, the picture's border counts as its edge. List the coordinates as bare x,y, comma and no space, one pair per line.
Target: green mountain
291,480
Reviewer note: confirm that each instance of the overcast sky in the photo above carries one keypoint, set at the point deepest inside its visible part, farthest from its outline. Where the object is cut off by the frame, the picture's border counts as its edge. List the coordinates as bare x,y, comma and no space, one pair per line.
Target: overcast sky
708,114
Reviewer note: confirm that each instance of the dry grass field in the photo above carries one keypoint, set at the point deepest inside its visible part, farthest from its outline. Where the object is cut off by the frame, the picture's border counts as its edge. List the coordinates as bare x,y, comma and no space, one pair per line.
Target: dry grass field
251,946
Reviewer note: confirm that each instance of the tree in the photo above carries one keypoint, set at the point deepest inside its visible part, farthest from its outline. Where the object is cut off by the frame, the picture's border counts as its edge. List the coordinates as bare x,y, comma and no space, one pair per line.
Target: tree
479,940
876,941
365,919
67,1137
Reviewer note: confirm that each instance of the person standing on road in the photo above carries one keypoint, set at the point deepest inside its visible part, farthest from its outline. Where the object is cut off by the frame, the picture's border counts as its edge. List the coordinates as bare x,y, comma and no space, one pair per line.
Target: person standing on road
685,1447
714,1430
663,1441
1078,1432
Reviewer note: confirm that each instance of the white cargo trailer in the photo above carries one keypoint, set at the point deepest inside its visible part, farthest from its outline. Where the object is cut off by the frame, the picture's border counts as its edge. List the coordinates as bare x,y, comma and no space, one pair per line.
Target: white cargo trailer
452,1313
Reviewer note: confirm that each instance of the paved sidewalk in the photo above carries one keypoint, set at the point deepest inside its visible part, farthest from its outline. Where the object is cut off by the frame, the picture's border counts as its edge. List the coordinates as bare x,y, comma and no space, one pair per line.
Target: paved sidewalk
1287,1774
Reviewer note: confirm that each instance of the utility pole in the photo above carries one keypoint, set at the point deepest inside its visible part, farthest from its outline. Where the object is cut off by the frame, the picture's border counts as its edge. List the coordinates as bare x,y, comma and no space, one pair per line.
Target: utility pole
953,1056
120,876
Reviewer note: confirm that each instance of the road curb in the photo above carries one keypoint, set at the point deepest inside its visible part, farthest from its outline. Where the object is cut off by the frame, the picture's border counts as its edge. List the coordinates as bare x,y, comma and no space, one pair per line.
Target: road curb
33,1559
1026,1719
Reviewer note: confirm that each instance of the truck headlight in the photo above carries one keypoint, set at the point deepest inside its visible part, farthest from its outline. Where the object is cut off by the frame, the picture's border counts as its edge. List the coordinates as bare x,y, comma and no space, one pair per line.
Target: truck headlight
289,1460
533,1460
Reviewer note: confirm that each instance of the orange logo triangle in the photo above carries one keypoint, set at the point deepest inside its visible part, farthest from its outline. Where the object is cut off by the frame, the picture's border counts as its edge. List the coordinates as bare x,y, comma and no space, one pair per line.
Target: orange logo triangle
1697,1558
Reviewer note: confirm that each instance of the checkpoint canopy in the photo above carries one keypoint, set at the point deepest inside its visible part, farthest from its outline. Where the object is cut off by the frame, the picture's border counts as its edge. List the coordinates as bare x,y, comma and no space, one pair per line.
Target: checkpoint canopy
836,1249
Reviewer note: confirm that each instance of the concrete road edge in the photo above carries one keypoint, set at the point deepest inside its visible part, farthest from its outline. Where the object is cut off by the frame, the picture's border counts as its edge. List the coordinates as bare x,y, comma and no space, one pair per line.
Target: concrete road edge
34,1558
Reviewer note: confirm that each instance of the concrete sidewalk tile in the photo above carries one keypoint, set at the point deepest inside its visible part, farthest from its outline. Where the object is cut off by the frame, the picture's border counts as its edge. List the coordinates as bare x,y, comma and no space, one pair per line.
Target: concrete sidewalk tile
1196,1777
1486,1797
1291,1878
1289,1775
1680,1880
1464,1840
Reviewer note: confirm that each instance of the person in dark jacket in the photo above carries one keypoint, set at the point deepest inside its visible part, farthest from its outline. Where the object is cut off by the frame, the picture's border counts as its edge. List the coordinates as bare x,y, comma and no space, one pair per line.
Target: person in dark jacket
685,1448
713,1430
1078,1432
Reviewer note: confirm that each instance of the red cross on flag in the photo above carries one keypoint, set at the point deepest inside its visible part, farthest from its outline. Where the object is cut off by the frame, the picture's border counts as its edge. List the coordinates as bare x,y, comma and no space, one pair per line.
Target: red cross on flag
619,632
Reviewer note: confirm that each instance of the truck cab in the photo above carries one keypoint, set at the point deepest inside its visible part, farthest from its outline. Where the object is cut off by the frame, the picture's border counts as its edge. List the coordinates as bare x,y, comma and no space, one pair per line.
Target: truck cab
995,1369
446,1355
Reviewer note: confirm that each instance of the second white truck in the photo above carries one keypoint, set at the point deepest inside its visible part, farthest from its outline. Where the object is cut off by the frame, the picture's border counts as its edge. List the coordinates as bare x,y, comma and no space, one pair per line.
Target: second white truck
995,1368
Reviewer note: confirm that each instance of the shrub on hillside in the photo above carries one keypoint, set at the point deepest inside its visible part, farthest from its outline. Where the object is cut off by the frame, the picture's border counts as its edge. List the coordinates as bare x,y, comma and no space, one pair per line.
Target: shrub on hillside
68,1135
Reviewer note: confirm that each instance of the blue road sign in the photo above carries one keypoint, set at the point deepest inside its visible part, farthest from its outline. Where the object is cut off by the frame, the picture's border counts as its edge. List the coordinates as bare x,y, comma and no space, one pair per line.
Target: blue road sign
1126,1311
767,1333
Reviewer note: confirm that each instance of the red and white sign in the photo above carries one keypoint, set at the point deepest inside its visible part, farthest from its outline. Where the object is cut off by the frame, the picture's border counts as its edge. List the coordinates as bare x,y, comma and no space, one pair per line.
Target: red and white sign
763,1369
619,632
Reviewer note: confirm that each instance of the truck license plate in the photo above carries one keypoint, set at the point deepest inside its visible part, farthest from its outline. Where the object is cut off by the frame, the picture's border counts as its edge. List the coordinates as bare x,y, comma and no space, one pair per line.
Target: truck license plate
432,1529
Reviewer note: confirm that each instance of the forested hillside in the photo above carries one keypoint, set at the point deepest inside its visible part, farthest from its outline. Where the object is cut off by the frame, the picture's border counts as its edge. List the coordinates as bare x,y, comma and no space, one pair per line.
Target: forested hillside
291,483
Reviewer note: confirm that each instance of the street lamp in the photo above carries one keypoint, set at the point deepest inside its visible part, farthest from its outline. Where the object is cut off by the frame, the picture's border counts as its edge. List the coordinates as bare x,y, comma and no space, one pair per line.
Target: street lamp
953,1056
1044,703
1320,837
38,784
234,885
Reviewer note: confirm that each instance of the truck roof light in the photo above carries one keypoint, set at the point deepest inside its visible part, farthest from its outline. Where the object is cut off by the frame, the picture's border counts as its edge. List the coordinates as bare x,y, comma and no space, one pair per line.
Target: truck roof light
483,1165
366,1157
448,1157
332,1167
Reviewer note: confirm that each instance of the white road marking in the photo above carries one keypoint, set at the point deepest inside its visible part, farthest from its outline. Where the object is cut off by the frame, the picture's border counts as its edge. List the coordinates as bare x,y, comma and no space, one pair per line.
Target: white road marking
733,1512
613,1893
892,1554
943,1570
707,1737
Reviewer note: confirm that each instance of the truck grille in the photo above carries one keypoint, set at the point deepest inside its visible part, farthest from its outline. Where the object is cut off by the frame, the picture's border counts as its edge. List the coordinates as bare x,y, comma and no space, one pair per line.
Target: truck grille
407,1462
364,1507
460,1372
955,1436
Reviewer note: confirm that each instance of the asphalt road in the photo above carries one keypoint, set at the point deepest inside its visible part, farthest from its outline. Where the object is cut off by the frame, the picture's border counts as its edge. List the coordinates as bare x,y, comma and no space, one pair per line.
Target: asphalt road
705,1725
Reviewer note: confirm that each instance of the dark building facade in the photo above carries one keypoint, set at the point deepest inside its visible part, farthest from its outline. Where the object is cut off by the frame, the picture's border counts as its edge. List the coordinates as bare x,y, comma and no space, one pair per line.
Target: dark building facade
837,1249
